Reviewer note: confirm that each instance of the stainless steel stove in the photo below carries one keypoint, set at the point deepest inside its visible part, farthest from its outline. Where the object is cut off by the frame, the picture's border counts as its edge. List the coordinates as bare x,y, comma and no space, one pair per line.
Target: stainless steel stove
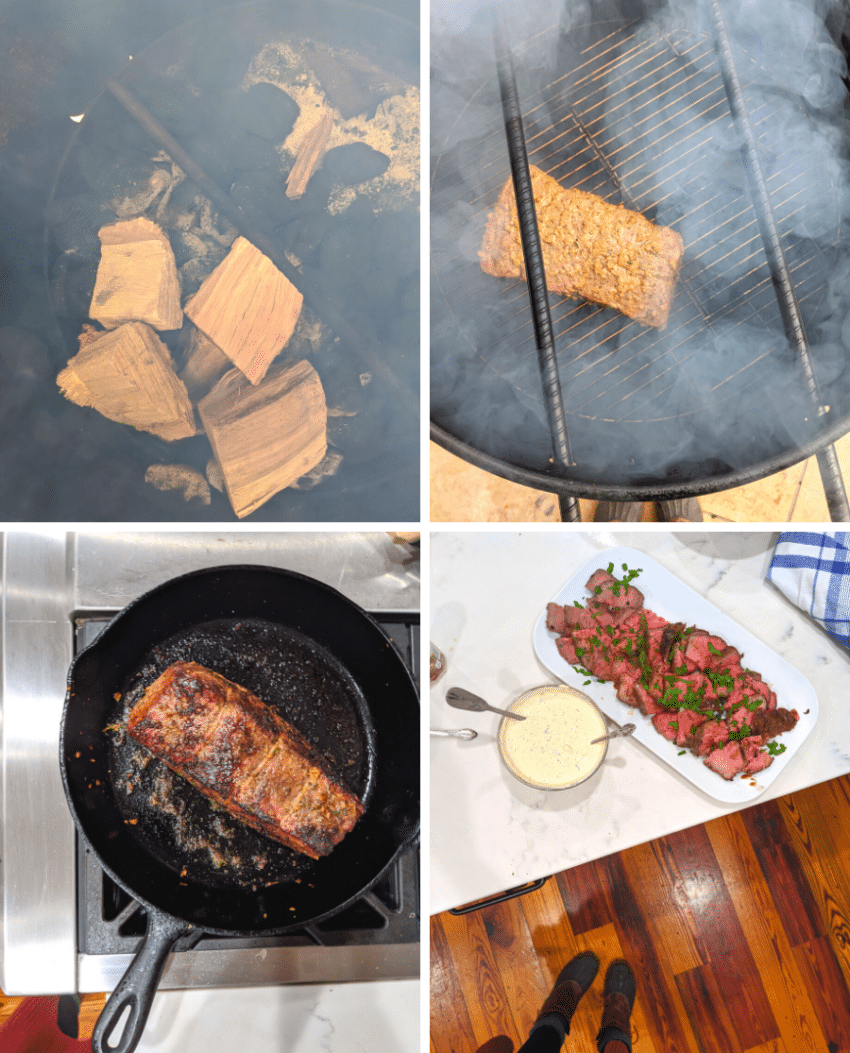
66,926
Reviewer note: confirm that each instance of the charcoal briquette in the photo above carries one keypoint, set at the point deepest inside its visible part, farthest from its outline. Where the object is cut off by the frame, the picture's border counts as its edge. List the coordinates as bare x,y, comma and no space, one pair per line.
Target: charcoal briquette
318,192
262,197
354,163
253,151
303,236
172,103
266,110
218,162
75,220
113,173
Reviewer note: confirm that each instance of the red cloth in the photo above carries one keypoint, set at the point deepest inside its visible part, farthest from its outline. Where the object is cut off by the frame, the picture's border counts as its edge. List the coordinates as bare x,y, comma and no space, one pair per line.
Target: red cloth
32,1028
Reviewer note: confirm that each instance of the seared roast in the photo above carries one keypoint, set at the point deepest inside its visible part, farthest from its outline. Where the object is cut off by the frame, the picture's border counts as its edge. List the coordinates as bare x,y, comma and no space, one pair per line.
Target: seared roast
241,754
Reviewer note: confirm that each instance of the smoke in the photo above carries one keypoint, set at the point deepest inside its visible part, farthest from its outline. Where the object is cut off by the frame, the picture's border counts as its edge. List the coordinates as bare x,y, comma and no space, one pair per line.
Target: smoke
631,105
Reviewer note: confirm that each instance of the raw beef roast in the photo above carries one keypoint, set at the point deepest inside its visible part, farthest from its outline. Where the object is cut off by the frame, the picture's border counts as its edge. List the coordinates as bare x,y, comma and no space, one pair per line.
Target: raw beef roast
242,755
603,252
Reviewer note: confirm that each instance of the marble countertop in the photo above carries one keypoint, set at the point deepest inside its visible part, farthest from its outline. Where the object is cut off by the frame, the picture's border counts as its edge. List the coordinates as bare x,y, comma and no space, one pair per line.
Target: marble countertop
380,1017
488,831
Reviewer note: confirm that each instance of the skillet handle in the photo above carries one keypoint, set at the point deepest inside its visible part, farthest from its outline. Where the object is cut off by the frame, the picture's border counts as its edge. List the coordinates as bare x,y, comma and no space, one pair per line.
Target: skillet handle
138,985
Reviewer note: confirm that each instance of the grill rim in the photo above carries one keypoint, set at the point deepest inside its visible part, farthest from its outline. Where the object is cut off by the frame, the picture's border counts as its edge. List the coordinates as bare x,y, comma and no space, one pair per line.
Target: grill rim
651,491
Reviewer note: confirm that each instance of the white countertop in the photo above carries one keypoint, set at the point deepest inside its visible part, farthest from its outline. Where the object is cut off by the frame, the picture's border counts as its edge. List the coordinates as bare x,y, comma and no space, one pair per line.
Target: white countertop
378,1017
488,831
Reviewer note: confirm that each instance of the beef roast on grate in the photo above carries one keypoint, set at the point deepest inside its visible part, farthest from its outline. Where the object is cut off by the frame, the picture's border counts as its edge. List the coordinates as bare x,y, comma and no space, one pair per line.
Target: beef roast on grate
691,683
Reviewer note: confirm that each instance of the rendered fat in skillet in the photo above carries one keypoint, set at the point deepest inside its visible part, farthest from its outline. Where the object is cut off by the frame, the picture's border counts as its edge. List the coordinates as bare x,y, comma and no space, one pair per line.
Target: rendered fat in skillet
243,756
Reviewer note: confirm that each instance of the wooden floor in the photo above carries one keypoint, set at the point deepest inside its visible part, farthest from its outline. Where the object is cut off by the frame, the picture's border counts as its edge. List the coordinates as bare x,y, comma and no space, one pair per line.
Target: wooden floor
738,931
41,1021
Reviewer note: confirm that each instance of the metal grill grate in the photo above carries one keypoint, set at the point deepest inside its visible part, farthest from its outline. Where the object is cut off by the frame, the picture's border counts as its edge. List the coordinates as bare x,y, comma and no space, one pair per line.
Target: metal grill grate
634,116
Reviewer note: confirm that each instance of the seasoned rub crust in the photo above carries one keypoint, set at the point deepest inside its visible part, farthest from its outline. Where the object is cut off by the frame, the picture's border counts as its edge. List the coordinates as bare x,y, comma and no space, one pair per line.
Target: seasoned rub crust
242,755
602,252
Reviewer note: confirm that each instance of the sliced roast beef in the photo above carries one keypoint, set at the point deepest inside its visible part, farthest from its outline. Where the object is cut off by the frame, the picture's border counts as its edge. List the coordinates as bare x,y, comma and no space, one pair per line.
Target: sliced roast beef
709,735
617,596
599,579
754,755
555,620
729,658
771,722
727,761
578,618
567,650
688,722
688,681
668,636
666,724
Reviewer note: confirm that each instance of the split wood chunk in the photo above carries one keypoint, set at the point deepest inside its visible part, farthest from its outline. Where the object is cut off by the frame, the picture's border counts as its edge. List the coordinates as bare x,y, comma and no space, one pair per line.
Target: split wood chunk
88,334
205,363
266,437
309,155
247,308
137,277
127,376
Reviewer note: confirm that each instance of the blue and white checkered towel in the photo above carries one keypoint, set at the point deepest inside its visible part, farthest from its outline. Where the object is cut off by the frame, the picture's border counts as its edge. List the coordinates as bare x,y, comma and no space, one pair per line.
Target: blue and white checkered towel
813,571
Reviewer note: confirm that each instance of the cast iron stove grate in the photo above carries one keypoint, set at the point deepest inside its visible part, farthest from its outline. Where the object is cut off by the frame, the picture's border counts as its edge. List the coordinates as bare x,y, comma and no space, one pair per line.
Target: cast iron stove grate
110,922
629,114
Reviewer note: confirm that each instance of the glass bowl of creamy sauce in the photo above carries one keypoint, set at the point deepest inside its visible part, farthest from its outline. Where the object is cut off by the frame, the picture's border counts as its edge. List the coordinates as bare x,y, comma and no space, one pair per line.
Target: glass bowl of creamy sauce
551,749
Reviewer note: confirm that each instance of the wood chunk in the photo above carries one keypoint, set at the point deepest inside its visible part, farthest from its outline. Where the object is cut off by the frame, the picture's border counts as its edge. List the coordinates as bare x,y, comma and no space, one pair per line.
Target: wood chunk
127,376
309,155
266,437
89,334
137,277
247,308
205,363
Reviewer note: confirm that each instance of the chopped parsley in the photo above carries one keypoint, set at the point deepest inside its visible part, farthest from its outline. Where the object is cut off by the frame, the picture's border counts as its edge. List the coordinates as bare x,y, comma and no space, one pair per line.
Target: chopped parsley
775,748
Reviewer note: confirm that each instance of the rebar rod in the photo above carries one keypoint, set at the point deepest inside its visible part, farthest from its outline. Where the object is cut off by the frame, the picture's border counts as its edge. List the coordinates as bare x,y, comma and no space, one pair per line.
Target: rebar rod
833,484
534,269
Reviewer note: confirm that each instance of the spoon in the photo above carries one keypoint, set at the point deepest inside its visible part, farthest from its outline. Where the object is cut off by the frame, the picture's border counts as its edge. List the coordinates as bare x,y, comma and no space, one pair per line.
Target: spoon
460,699
461,733
618,733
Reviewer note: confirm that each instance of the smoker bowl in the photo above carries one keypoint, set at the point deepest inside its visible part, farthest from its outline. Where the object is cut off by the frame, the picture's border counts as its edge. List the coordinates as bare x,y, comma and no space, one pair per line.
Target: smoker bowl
378,476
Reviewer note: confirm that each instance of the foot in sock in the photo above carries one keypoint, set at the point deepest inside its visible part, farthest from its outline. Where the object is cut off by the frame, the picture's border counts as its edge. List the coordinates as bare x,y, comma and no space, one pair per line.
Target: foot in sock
572,982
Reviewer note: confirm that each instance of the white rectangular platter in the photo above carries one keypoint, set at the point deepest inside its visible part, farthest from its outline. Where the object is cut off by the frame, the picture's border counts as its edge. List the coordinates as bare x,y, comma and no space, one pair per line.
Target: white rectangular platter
672,599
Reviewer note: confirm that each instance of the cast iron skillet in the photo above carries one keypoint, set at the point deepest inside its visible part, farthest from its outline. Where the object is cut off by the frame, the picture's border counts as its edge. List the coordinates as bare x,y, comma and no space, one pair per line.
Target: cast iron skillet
313,643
